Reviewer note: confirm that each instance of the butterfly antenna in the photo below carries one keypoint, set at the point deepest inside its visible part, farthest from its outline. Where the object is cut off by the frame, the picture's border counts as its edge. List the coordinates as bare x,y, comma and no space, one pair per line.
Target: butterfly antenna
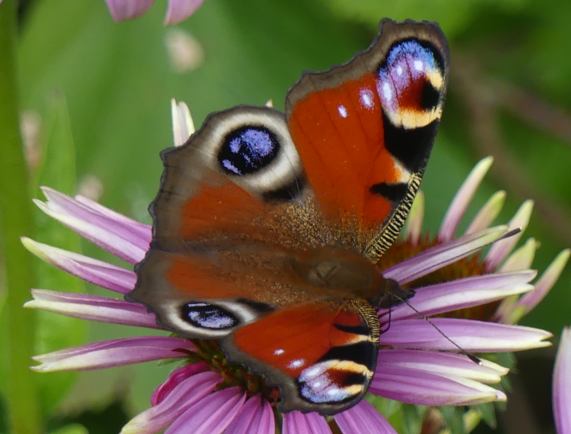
471,356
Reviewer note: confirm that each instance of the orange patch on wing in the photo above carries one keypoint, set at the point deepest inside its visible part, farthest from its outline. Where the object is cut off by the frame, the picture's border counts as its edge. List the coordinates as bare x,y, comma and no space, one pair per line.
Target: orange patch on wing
340,137
294,338
197,278
225,207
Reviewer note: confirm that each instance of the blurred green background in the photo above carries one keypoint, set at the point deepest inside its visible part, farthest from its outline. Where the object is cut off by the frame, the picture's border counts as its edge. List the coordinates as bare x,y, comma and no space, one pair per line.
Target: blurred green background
96,97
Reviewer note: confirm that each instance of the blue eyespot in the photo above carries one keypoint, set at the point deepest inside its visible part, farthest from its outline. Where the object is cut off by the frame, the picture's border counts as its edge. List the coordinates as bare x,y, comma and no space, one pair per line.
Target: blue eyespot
208,316
407,77
247,150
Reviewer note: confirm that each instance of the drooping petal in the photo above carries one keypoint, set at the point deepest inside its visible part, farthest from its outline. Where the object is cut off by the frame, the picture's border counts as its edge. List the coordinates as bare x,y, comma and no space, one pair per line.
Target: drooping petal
424,388
115,352
463,198
91,270
522,258
471,335
185,395
178,10
463,293
104,231
443,254
440,363
500,251
488,213
93,308
142,230
210,415
182,124
413,227
255,417
126,9
562,384
296,422
542,287
363,419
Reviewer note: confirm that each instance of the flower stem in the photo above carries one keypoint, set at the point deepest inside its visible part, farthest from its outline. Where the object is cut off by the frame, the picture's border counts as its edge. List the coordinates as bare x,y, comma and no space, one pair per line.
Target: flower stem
15,220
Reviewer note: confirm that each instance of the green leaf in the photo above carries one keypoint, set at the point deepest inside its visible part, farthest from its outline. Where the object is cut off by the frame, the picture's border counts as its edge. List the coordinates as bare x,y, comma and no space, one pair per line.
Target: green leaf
454,418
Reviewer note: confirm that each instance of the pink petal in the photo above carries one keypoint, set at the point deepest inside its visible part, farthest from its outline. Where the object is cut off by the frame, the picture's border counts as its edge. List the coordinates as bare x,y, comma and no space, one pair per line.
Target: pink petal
91,270
179,10
423,388
487,213
443,254
363,419
115,352
255,417
498,252
462,199
210,415
184,396
463,293
545,283
476,336
104,230
126,9
182,124
440,363
174,379
562,384
93,308
296,422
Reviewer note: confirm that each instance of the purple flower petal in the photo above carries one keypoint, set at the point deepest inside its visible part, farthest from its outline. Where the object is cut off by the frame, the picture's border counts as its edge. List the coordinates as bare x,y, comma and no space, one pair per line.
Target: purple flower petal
424,388
296,422
142,230
178,10
544,284
439,363
562,384
182,124
498,252
91,270
462,293
127,9
115,352
103,230
174,379
363,419
476,336
443,254
93,308
463,198
210,415
487,213
255,417
184,396
415,217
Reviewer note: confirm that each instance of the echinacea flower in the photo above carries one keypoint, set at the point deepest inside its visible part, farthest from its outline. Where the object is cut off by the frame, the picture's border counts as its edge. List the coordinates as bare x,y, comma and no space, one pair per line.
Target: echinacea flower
177,10
562,384
419,361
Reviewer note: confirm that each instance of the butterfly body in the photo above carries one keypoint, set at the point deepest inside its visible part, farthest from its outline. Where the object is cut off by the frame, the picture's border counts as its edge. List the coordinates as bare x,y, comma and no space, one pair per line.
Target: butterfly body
267,225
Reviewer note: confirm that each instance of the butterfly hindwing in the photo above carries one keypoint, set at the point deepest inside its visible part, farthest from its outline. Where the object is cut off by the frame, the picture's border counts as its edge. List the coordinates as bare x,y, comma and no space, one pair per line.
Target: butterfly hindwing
321,354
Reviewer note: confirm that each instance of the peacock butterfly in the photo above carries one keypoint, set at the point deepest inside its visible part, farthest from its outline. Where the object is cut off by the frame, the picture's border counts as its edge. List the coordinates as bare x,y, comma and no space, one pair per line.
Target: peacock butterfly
267,226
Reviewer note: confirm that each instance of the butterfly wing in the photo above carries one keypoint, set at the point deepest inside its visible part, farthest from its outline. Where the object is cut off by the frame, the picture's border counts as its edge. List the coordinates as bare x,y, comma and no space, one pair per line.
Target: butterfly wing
322,355
364,130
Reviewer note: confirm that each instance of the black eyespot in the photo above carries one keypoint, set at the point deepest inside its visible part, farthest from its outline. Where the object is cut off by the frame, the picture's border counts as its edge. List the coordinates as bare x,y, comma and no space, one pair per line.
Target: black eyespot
247,150
430,96
208,316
